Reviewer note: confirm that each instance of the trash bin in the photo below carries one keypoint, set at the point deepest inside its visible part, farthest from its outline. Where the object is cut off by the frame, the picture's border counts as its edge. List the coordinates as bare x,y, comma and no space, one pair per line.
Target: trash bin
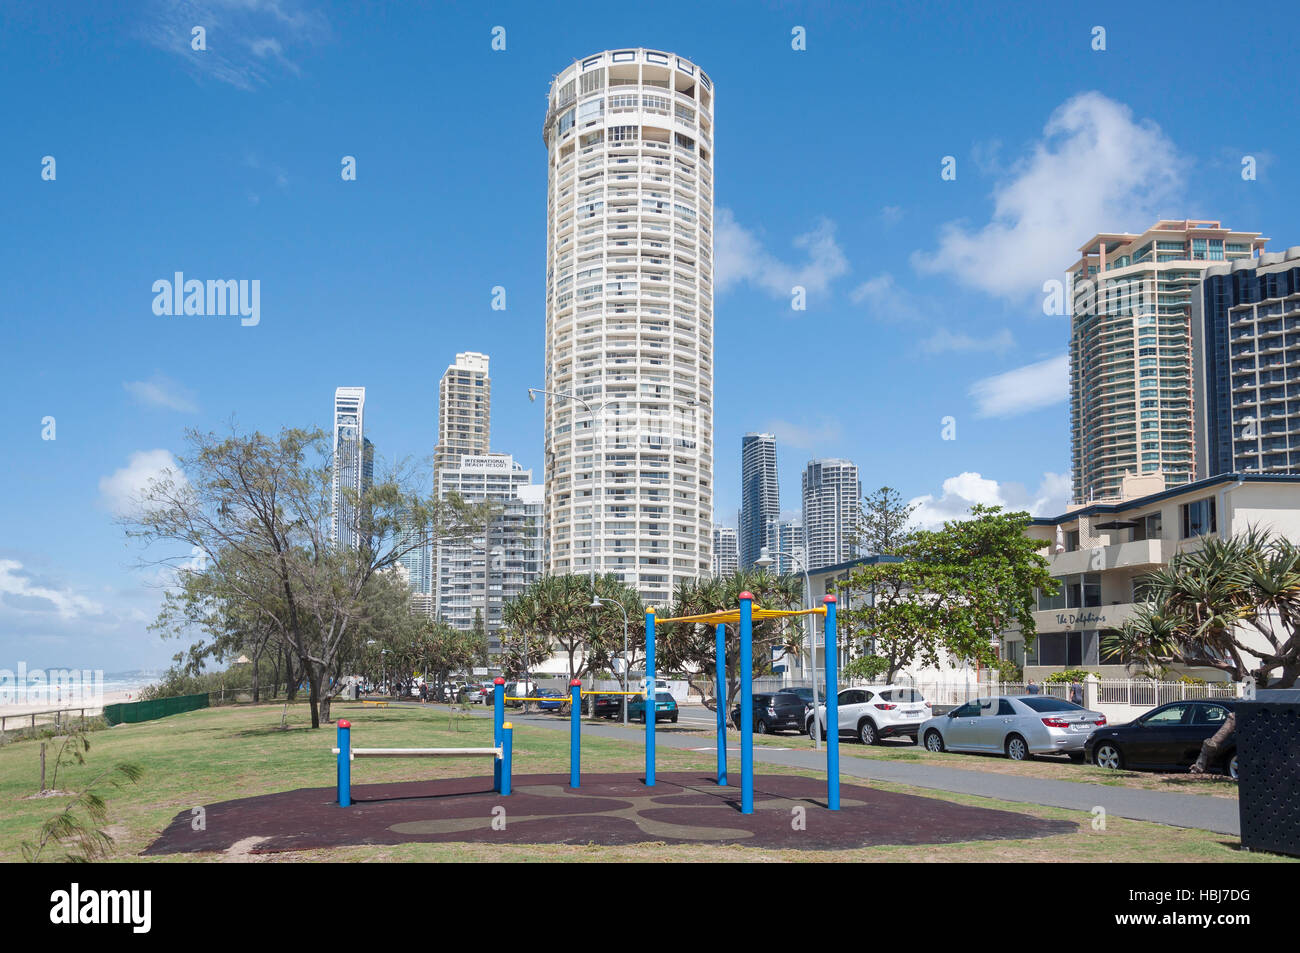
1268,764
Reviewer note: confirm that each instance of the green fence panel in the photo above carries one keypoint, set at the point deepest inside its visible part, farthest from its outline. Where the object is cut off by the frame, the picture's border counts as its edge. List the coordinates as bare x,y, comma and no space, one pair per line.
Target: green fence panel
133,712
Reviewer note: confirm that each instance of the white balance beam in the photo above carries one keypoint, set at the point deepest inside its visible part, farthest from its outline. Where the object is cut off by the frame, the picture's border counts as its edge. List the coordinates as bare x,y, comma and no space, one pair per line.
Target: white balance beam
421,752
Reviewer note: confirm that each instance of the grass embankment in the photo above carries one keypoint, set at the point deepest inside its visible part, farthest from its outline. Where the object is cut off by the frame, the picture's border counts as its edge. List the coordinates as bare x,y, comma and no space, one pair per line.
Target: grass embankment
217,754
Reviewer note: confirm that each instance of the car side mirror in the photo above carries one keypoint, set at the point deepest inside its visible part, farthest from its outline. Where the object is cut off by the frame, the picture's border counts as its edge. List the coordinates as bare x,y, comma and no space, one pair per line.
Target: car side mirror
953,713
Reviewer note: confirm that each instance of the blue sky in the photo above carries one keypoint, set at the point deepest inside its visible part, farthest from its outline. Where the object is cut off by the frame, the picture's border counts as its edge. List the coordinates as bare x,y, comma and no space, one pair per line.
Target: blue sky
924,295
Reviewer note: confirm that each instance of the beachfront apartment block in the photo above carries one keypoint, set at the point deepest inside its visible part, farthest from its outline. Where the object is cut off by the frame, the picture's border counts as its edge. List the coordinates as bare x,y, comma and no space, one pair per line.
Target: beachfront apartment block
629,320
1100,552
1131,401
1246,365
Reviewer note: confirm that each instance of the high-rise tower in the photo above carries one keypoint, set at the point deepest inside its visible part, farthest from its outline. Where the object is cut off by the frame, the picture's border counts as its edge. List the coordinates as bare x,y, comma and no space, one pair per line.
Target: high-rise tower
464,410
760,501
354,462
629,320
832,509
1131,402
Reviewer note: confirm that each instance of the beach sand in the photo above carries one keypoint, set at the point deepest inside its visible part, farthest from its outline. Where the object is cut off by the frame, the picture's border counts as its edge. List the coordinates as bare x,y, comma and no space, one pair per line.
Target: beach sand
93,704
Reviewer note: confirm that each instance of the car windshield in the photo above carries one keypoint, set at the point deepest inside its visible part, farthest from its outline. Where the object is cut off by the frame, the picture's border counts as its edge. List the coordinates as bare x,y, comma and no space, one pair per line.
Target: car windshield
1045,703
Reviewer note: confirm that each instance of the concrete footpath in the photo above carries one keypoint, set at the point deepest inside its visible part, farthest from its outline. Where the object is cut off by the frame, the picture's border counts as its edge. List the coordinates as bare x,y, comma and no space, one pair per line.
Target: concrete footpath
1220,815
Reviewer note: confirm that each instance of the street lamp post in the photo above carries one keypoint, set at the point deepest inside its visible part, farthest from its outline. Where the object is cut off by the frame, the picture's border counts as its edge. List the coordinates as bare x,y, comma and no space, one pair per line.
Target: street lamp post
764,562
596,603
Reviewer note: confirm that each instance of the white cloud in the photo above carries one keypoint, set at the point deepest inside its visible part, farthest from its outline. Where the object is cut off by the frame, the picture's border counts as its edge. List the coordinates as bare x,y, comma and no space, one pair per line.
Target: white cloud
1095,168
944,340
891,215
802,436
160,391
121,491
967,489
246,39
20,592
740,256
1023,389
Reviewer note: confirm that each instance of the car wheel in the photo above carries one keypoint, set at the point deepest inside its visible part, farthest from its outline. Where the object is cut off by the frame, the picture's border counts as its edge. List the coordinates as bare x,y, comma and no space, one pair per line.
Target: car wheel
673,719
1018,749
867,732
1232,766
933,741
1107,755
760,727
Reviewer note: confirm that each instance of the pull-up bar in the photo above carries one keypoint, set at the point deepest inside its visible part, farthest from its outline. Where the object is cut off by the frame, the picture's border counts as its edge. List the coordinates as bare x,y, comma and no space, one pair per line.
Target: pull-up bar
745,616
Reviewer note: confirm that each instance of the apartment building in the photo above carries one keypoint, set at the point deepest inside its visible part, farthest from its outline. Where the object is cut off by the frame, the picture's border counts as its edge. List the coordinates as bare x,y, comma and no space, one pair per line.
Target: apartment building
629,320
1246,365
1131,400
464,410
353,467
760,494
832,508
726,559
1099,553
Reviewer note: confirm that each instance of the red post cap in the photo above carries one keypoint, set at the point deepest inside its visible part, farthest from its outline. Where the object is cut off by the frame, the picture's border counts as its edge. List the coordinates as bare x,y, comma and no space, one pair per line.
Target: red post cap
747,595
828,598
344,723
498,680
575,682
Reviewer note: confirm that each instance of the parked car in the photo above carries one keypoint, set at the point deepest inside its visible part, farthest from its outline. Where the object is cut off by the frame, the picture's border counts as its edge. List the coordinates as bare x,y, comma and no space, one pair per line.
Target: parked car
1165,738
782,711
805,694
665,707
606,706
548,699
1018,726
875,713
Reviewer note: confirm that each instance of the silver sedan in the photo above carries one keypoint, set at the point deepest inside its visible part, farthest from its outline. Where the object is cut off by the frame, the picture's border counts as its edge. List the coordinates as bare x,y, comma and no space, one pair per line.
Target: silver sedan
1019,726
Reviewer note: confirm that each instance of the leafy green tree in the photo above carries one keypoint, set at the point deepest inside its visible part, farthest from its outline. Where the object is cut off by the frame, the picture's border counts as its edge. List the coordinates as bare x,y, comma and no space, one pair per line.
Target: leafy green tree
264,504
691,648
555,614
954,590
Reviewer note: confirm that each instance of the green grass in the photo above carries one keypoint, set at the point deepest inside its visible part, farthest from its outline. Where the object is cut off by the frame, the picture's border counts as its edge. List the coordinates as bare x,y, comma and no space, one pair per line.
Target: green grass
218,754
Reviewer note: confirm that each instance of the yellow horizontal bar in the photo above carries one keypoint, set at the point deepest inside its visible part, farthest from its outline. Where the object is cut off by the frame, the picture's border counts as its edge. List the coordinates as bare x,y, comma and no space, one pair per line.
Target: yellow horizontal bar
612,693
732,616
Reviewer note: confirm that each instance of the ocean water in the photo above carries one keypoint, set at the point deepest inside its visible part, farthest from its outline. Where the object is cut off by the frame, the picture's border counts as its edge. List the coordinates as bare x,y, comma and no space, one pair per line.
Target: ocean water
56,686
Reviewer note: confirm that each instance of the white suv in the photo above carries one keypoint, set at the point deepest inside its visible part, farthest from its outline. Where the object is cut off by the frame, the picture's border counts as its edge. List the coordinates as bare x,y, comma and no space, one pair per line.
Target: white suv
877,712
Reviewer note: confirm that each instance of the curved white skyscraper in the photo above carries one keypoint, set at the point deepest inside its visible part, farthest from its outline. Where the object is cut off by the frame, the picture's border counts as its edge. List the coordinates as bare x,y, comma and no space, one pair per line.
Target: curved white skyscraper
629,320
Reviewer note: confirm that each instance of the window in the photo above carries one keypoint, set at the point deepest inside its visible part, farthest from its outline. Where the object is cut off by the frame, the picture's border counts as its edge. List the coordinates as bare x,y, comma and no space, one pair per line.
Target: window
1199,518
1209,715
1166,717
1046,703
968,710
1004,707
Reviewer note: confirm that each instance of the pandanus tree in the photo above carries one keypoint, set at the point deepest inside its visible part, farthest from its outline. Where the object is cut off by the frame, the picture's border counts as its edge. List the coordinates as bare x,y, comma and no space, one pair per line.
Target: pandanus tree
555,613
1231,604
690,648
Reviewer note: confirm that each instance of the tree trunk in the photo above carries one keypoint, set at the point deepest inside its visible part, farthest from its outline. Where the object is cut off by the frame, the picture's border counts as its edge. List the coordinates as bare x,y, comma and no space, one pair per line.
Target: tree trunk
1213,748
313,682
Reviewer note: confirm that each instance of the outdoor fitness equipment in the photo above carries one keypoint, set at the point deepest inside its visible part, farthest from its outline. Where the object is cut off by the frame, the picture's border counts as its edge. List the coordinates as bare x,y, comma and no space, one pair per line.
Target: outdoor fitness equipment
745,616
501,755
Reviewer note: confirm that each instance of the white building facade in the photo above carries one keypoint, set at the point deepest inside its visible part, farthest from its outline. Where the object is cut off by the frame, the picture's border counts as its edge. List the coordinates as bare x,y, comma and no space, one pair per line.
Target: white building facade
832,509
629,320
354,463
726,558
477,576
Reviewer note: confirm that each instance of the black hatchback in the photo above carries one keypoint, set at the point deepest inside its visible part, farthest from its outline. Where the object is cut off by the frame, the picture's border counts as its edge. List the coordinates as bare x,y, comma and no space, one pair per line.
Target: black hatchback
1167,738
783,711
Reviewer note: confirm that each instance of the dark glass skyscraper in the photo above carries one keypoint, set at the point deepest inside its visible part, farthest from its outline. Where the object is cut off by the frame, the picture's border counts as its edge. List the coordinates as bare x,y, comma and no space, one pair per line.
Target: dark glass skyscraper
760,500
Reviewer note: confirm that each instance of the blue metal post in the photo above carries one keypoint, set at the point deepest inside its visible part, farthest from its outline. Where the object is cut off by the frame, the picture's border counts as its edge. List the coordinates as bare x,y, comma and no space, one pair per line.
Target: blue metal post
746,703
832,709
345,763
507,742
720,700
651,697
498,717
575,733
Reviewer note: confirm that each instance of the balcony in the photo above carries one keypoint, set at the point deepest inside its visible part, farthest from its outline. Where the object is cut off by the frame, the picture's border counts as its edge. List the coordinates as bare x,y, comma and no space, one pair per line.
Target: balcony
1134,555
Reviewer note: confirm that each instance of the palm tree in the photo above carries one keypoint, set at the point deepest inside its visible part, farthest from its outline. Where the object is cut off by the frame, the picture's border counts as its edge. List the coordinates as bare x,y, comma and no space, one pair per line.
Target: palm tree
556,612
691,648
1202,604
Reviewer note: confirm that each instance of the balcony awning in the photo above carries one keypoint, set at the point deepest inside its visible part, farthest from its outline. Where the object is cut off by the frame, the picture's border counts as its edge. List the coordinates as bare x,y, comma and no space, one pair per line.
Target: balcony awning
1116,524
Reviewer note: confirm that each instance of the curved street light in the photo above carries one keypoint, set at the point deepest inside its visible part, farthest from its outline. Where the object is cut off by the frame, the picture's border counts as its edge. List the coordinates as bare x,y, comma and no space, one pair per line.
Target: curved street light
596,603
